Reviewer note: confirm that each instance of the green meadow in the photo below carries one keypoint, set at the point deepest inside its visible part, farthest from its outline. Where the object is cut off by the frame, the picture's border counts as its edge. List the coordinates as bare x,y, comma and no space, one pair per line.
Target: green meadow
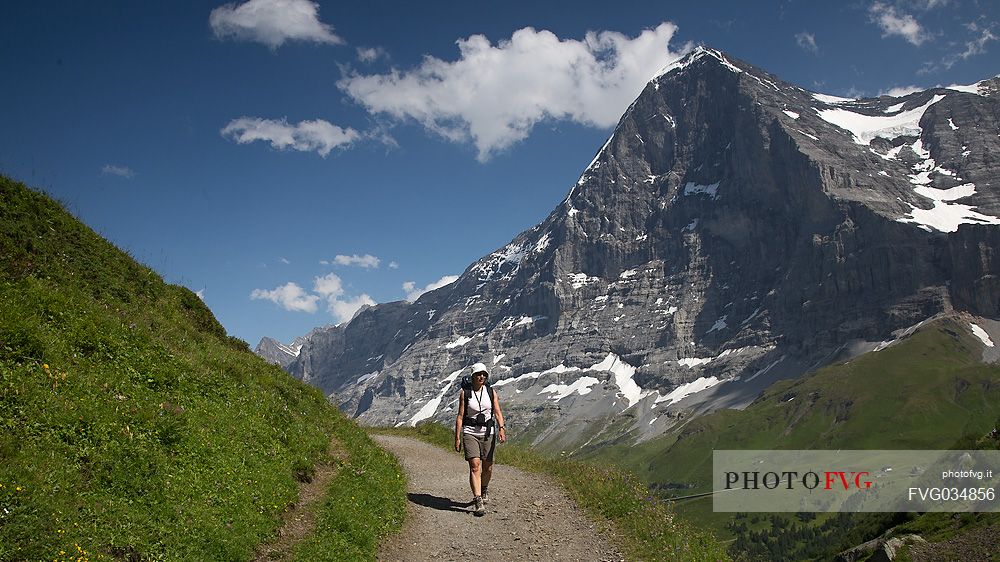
132,427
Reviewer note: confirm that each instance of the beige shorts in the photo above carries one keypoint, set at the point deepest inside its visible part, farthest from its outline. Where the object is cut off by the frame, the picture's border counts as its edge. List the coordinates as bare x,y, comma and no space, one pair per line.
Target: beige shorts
476,447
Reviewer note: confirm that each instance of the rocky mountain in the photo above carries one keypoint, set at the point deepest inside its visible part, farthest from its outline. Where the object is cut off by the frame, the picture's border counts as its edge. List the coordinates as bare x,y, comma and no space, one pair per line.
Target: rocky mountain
733,230
273,351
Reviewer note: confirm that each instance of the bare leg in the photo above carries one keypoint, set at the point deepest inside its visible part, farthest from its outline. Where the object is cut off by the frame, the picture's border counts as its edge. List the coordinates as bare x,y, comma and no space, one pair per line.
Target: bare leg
487,474
475,475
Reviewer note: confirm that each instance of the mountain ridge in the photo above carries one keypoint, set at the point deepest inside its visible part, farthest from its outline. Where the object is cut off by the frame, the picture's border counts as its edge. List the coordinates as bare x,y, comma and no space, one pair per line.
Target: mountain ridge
725,233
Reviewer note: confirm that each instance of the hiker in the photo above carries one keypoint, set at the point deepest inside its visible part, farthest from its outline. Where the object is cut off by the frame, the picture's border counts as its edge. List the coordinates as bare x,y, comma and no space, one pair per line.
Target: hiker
477,427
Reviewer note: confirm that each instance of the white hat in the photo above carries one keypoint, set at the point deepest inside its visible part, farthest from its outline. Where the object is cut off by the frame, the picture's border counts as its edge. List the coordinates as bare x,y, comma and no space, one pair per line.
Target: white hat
479,368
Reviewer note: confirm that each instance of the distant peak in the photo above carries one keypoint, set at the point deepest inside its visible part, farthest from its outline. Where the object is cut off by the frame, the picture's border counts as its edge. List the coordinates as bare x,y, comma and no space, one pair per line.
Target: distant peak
698,53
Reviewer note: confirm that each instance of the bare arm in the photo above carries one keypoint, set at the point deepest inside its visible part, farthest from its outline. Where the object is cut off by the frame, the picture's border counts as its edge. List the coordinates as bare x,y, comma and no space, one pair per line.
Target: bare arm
499,416
458,420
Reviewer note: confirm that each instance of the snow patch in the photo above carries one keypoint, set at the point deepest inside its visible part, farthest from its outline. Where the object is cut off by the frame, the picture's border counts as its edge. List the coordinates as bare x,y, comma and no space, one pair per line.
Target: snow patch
833,100
982,335
691,362
864,128
893,152
791,114
292,350
685,390
813,137
462,340
580,386
431,406
542,243
945,216
969,89
765,369
952,124
579,280
720,324
684,62
692,188
623,373
365,378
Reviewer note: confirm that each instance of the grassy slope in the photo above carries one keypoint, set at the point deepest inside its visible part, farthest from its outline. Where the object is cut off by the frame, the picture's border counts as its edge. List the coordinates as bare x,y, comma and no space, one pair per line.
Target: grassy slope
922,393
648,529
927,392
132,425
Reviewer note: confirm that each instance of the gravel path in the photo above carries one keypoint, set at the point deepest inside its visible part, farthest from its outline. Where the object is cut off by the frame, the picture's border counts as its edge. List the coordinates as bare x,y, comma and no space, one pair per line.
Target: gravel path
528,517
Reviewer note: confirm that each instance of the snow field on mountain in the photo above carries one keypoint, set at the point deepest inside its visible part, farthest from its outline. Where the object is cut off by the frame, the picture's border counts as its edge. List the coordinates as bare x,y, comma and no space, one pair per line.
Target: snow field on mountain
864,128
982,335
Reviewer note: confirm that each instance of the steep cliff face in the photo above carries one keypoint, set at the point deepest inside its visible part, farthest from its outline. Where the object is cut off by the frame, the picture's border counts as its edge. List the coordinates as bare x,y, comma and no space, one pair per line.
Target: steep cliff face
733,230
278,353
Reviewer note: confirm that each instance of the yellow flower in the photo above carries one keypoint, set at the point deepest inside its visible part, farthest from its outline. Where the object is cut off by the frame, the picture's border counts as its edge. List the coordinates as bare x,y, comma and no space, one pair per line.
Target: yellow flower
45,366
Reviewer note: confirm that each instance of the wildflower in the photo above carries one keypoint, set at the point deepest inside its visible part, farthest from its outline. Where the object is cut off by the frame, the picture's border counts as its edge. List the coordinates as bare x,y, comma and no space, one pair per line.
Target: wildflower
45,366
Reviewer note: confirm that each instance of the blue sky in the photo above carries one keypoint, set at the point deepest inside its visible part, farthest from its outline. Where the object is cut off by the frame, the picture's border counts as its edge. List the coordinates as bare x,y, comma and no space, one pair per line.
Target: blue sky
290,160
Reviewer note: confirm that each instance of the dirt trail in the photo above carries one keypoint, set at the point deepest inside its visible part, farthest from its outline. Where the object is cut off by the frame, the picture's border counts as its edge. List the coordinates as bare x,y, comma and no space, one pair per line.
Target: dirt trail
300,517
528,517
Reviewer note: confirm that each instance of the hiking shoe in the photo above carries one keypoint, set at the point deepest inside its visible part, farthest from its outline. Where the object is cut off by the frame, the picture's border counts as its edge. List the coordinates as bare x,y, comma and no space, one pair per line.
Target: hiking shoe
480,508
486,497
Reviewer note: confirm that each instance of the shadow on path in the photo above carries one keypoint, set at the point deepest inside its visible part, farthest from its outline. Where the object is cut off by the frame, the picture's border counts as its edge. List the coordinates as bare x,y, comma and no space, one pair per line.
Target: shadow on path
434,502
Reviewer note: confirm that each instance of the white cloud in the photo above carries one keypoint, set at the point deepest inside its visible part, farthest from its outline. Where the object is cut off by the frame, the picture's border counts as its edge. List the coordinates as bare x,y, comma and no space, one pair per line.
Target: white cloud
371,54
290,296
973,48
317,135
900,91
328,285
284,261
366,261
331,288
894,22
494,94
413,293
931,4
328,288
121,171
344,310
272,22
807,41
978,46
393,265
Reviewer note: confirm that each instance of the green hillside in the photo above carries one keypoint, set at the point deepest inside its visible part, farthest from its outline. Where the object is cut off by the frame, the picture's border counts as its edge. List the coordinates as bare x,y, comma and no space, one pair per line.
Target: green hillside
925,392
928,391
132,427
